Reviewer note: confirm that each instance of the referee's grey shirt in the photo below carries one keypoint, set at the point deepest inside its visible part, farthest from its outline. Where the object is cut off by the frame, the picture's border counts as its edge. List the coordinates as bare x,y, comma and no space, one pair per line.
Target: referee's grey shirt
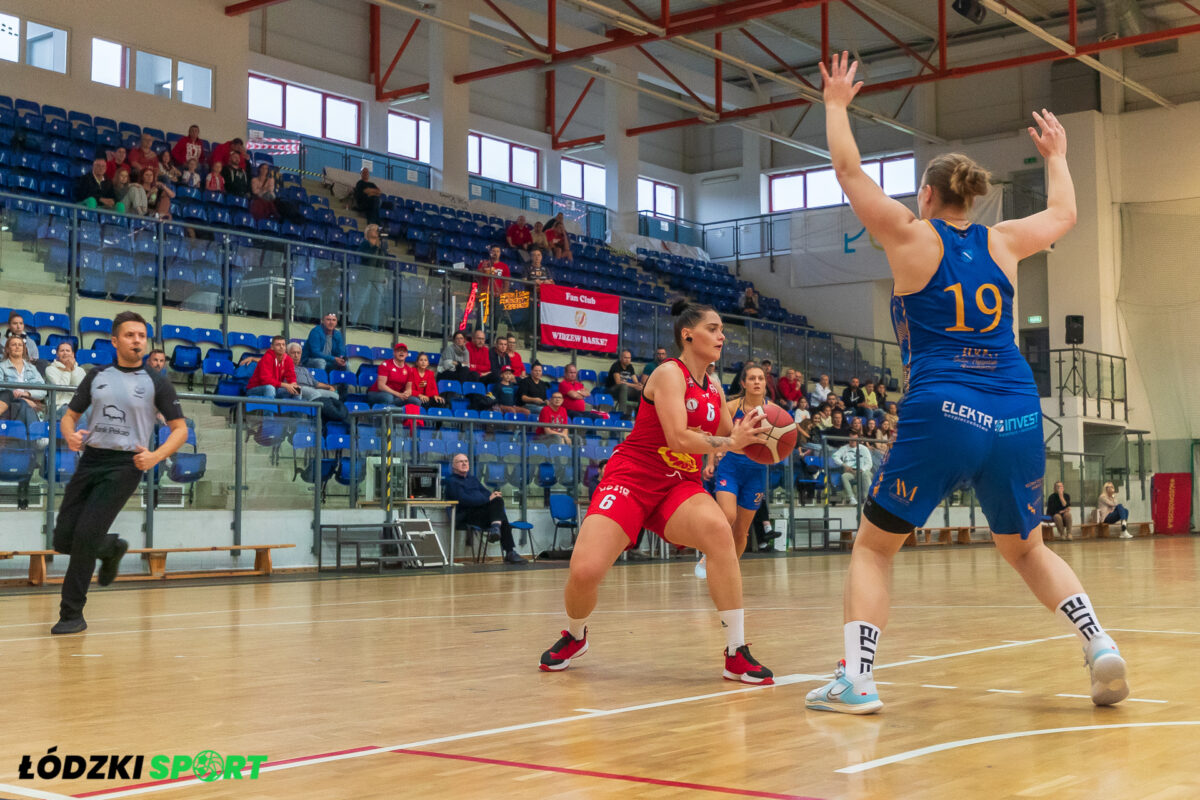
123,402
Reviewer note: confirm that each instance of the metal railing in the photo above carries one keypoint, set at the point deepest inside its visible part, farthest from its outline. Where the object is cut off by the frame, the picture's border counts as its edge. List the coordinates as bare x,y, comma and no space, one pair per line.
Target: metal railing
1096,378
592,219
317,154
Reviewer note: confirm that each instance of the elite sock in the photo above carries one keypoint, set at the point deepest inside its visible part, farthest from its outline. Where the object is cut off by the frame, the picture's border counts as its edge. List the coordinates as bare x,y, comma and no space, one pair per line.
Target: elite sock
861,639
1077,612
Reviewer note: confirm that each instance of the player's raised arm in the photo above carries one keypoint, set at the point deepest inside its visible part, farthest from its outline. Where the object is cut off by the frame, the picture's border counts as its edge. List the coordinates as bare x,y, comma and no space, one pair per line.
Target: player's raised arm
1021,238
668,390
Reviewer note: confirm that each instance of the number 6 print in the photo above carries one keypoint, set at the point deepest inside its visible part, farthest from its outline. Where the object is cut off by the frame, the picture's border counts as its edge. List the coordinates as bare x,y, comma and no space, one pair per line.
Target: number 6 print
606,502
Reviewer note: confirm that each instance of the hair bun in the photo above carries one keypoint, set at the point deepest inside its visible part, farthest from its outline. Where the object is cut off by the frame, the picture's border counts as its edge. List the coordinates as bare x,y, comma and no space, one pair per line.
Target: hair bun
677,307
969,180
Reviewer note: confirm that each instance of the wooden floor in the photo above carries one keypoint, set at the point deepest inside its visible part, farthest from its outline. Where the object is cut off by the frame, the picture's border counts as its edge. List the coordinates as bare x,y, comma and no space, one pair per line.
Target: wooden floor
426,686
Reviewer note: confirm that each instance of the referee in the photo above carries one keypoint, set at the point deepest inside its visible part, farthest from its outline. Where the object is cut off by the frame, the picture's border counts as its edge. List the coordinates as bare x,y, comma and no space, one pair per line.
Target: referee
123,398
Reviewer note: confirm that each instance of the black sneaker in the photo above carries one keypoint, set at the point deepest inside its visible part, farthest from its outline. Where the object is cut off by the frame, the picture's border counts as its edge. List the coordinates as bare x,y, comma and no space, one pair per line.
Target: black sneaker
110,564
76,625
512,557
494,533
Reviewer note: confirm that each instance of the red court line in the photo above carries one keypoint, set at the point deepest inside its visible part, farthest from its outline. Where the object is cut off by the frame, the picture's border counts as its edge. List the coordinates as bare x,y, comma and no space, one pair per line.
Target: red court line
113,790
704,787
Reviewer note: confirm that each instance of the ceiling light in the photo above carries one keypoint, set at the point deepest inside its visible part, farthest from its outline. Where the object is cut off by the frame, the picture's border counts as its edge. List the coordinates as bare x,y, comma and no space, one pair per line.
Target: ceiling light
971,9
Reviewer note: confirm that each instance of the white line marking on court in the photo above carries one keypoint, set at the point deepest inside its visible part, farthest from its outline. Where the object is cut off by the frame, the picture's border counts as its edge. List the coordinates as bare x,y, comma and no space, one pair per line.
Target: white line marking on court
936,686
86,655
1142,700
1005,646
1006,691
1173,633
588,710
938,748
39,794
1082,696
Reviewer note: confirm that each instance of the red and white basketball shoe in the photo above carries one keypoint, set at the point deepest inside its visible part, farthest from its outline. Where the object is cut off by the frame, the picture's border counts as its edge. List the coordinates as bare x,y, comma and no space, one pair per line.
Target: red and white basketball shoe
559,656
741,666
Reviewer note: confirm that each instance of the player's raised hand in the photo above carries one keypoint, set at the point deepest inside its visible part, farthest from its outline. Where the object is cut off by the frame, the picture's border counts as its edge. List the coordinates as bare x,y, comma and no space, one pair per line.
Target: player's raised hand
75,439
839,86
1050,137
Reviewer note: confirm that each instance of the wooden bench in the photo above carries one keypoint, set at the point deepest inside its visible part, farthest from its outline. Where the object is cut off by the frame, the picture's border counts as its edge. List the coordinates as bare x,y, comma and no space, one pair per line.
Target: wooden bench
156,559
1100,530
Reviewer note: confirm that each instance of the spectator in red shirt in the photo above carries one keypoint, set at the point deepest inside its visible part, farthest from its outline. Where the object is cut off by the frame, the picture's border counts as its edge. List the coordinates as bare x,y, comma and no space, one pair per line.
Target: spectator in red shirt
190,147
275,375
514,358
560,245
519,238
791,389
424,383
553,417
144,157
573,393
215,182
481,356
116,160
394,387
493,266
221,152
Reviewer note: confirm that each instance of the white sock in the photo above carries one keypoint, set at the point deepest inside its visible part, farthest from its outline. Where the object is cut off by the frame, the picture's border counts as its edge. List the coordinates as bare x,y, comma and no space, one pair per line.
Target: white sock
734,623
577,627
861,639
1077,612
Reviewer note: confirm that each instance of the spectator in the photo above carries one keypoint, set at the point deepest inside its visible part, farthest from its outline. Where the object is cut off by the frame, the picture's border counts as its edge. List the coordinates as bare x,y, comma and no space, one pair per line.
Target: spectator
310,387
623,385
479,508
16,327
262,193
275,375
560,243
190,148
24,405
532,389
537,272
371,284
791,390
837,423
518,237
1110,510
514,357
892,415
367,197
481,356
1058,508
750,302
129,194
325,347
424,383
144,156
167,171
500,358
660,355
801,412
237,182
855,460
820,392
455,364
95,189
822,420
573,393
393,387
157,360
505,392
853,396
65,371
215,182
116,161
881,397
190,177
772,380
157,192
495,268
538,240
870,404
856,427
224,152
553,417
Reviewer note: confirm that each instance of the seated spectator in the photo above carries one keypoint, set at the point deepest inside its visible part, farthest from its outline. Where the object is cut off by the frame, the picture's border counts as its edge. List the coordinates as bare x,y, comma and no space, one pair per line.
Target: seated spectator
65,371
518,237
538,240
495,269
856,426
881,396
117,159
128,193
772,380
1110,510
1058,508
325,347
455,364
215,182
95,189
224,152
143,157
310,387
791,389
857,466
660,355
623,385
820,391
275,375
870,405
556,219
560,244
393,387
505,392
537,271
500,357
750,302
478,507
167,171
24,405
514,358
158,194
190,177
157,360
891,415
574,394
367,197
424,383
262,193
16,327
822,419
853,396
532,389
801,412
190,148
553,417
481,356
237,182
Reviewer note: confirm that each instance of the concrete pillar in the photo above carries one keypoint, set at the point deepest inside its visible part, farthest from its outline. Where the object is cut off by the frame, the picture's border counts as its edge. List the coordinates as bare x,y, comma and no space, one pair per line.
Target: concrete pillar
1112,93
552,164
450,103
621,152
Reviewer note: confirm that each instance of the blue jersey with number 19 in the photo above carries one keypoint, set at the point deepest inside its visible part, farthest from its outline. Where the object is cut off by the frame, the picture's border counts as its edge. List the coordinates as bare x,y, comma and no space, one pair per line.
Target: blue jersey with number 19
959,328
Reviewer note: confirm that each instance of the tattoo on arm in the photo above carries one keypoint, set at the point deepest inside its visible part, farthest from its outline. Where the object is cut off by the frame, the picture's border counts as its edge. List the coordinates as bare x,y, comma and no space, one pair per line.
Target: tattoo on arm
717,442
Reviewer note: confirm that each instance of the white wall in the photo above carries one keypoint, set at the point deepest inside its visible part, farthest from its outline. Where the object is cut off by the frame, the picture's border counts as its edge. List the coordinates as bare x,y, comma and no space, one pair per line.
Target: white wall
197,32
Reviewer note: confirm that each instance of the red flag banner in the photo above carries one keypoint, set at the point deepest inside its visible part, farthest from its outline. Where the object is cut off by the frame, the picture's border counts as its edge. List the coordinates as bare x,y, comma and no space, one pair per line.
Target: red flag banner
275,147
579,319
1171,501
470,306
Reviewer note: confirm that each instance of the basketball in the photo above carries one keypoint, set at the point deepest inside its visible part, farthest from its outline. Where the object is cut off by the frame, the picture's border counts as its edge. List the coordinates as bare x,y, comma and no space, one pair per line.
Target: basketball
781,437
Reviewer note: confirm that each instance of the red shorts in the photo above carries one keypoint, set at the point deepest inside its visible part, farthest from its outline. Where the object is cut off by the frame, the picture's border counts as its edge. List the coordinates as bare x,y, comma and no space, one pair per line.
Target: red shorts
635,495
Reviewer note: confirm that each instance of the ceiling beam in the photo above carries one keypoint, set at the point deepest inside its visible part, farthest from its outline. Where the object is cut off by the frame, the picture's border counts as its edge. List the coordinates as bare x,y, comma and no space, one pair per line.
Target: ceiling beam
245,7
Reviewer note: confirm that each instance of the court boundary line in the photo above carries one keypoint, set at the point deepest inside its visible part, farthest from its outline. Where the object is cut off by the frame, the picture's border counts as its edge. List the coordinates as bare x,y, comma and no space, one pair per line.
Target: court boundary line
36,794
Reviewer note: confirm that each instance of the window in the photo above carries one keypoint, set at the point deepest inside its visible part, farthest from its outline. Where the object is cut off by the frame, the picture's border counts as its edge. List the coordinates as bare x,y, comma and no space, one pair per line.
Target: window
503,161
408,136
110,63
193,84
305,111
152,74
10,37
660,199
818,188
583,180
45,47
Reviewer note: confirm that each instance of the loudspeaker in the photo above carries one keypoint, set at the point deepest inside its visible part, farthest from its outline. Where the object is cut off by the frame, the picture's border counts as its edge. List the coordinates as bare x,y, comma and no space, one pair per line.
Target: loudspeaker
971,9
1074,329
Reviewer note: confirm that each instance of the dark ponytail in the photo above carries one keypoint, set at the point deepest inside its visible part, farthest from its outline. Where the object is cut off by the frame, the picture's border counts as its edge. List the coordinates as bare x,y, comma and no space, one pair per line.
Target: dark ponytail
687,315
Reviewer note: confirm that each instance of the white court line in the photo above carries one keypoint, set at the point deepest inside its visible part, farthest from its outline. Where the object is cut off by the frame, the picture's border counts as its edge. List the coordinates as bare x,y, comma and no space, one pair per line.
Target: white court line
38,794
1142,700
1081,696
938,748
1173,633
936,686
1006,691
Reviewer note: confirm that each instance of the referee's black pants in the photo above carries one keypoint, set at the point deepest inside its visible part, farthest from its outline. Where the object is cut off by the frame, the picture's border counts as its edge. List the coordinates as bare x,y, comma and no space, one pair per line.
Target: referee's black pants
483,516
96,493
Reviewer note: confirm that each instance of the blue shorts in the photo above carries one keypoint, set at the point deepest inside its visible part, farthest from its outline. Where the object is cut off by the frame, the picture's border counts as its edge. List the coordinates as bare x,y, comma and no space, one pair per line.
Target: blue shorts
744,479
951,436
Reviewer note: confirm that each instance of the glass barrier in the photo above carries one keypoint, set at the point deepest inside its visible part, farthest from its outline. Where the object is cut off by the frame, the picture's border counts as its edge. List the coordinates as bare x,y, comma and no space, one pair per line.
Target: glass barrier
1098,379
317,154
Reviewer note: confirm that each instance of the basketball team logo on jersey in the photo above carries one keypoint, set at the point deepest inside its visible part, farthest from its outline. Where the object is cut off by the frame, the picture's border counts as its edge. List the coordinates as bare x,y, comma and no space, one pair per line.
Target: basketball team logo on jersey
692,404
680,461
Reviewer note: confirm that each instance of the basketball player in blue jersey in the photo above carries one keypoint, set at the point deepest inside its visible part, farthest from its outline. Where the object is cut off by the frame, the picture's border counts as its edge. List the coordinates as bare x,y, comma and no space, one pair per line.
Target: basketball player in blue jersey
971,414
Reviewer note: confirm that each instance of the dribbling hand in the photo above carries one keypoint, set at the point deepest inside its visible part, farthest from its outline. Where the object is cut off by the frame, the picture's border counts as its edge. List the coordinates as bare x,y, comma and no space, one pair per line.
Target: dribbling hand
839,87
750,429
1050,137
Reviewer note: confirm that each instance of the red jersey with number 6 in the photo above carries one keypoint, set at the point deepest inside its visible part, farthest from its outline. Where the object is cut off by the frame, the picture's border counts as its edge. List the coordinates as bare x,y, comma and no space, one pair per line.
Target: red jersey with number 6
647,444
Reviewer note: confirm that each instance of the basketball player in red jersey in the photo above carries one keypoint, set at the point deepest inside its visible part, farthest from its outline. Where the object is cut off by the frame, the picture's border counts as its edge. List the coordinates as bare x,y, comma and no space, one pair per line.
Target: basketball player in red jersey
653,481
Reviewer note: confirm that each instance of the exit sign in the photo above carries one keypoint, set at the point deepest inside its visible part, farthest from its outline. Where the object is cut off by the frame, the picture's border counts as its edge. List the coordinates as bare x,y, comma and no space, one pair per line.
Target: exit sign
1031,160
1034,319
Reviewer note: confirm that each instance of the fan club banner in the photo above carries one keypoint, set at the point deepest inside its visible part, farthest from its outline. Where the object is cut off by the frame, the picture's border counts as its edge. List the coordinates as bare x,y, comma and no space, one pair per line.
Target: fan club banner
578,319
1171,502
275,147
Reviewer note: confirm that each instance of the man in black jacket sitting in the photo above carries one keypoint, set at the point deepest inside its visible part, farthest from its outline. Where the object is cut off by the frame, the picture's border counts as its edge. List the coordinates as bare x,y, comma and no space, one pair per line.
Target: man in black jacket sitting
480,507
